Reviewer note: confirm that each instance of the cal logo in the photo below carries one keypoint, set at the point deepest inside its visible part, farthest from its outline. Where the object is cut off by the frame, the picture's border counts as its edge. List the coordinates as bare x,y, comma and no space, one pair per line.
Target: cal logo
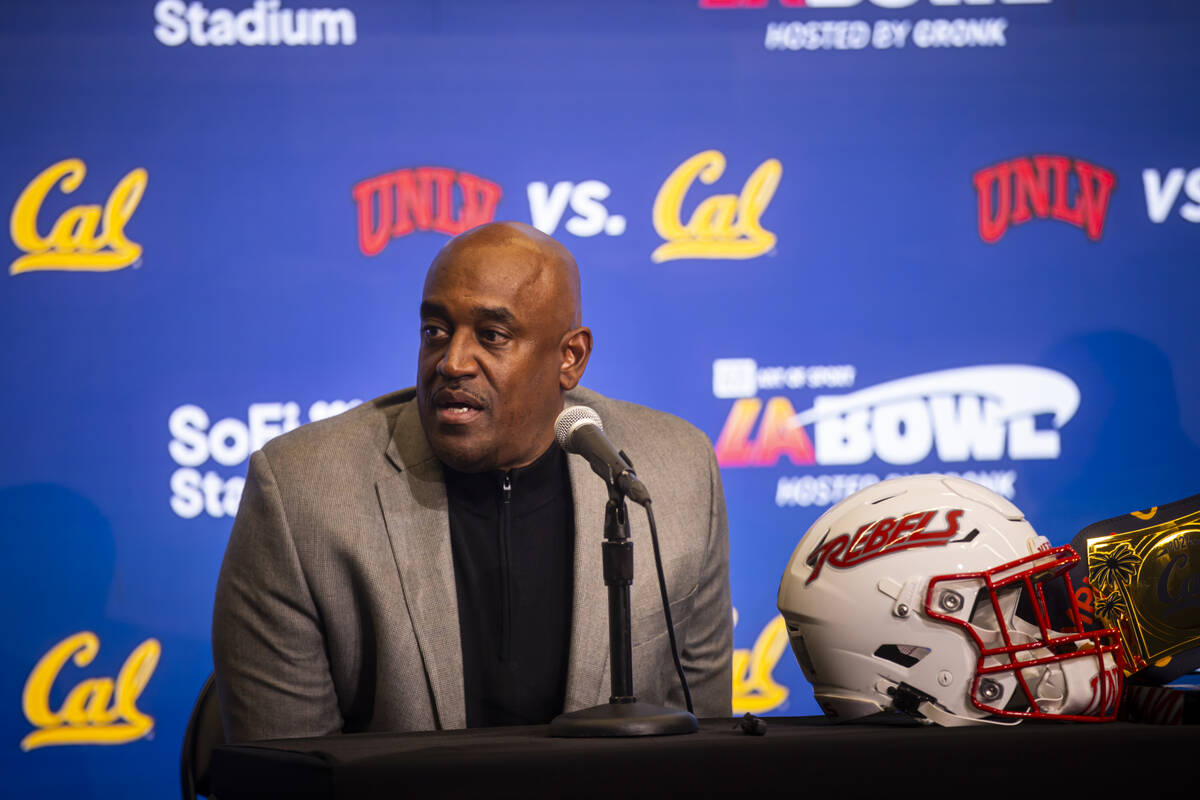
755,689
722,226
96,710
84,238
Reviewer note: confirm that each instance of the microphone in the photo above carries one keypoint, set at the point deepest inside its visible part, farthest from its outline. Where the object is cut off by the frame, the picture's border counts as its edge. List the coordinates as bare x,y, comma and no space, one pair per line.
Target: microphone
579,430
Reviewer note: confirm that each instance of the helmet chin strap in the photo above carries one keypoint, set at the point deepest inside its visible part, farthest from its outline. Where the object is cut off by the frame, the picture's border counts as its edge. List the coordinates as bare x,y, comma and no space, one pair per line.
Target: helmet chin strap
940,716
910,700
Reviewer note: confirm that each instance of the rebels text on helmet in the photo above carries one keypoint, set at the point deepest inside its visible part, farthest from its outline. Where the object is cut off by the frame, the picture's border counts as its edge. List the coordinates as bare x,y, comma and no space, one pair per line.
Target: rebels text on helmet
879,538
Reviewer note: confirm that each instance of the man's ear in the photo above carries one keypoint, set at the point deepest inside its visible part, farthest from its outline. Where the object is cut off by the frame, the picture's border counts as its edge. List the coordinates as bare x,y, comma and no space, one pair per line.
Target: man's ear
576,347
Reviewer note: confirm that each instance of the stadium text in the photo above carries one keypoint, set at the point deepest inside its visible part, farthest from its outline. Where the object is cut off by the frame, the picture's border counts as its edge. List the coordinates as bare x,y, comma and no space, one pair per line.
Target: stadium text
264,23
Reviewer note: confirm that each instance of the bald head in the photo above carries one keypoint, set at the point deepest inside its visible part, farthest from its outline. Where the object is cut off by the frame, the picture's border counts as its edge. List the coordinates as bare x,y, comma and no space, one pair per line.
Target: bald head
501,344
546,263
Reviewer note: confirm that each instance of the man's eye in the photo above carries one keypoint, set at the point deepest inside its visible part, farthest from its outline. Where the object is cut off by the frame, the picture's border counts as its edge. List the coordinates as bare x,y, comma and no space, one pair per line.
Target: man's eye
430,332
493,336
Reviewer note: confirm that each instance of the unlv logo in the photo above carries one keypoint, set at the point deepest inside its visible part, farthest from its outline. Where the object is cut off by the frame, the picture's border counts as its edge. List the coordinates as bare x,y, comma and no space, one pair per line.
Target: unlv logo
879,538
421,199
1043,187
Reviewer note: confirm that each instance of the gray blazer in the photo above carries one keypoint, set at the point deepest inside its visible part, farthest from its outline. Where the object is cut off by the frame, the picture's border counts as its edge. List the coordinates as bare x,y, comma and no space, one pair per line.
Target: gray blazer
336,608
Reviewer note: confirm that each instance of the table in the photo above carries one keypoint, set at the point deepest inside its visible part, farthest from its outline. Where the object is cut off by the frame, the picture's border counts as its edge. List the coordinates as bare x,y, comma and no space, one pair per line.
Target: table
797,754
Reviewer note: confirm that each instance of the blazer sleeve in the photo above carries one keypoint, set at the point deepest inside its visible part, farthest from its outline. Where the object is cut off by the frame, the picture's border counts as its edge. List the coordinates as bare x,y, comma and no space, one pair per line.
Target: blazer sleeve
272,670
707,652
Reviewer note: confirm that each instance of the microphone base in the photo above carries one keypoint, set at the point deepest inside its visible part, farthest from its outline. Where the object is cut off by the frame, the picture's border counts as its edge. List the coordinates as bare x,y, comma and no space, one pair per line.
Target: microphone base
623,719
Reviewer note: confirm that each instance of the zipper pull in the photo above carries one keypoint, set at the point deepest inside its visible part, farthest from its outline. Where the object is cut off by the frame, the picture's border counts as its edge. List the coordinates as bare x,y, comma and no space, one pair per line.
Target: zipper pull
506,487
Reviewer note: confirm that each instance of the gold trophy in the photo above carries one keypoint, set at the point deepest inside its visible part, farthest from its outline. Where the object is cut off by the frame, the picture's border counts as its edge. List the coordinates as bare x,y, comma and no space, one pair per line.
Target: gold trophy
1143,571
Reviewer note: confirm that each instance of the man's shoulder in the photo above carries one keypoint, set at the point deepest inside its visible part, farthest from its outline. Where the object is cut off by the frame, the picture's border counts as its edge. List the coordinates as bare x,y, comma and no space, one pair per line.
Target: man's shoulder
361,431
627,422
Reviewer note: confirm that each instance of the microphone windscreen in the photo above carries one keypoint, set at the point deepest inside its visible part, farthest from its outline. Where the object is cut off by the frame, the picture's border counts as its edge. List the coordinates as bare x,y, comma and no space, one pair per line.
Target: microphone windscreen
570,419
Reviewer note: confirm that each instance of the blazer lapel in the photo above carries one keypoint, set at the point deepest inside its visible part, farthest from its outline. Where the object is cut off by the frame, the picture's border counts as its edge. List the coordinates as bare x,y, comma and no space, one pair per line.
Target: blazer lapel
587,665
418,525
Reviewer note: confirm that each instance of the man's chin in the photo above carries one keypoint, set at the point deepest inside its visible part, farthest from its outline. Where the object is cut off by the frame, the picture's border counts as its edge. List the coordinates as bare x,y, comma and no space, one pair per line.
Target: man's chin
462,453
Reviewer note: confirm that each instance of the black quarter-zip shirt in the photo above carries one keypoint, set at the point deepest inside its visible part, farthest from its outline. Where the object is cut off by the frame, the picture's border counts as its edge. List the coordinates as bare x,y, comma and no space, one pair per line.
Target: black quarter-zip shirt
513,537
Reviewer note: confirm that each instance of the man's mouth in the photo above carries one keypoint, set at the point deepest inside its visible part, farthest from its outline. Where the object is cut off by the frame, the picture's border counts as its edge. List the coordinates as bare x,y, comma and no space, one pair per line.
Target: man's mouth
457,407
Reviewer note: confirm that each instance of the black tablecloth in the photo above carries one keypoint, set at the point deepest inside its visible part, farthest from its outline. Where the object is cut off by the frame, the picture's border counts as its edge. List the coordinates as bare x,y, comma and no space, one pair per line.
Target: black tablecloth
797,754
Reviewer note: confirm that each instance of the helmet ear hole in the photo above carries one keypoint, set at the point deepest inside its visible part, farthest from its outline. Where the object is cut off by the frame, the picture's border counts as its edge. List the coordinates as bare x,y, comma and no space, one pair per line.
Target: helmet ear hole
983,613
1018,702
1058,614
906,655
802,656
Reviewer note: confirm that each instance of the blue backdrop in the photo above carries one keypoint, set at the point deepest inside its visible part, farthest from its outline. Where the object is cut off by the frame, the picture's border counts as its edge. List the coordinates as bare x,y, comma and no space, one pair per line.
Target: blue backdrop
846,238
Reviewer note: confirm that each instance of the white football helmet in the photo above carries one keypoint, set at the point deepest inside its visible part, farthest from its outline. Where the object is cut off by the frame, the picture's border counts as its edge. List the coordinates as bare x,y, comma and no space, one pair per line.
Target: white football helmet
925,595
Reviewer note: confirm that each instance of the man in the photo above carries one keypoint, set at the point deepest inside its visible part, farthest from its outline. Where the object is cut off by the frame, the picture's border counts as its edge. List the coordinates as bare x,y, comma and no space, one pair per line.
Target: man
431,559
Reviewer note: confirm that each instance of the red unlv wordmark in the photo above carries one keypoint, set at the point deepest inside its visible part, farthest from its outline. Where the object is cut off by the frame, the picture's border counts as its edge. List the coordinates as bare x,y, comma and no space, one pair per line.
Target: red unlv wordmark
421,199
1043,187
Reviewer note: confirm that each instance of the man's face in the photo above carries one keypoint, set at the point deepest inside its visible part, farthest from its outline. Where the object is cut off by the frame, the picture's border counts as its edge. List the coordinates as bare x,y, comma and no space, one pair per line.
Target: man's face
491,359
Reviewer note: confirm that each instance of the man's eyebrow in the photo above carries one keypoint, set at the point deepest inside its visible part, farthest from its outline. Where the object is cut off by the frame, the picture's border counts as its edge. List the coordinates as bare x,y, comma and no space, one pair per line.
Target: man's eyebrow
432,310
499,314
495,314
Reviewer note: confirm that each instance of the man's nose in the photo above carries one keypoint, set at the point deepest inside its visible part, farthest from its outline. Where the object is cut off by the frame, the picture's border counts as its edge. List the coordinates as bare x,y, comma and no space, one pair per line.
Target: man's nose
459,358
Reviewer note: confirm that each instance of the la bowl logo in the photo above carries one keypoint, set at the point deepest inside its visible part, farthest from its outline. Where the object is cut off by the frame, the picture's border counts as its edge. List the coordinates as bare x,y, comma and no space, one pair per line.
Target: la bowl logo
83,238
980,413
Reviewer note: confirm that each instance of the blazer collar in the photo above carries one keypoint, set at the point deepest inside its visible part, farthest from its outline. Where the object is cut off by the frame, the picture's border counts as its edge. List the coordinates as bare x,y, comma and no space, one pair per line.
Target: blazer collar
418,527
587,665
407,446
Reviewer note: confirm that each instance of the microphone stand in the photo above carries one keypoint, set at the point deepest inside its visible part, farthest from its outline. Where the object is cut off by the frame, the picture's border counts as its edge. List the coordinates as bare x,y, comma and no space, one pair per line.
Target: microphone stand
623,714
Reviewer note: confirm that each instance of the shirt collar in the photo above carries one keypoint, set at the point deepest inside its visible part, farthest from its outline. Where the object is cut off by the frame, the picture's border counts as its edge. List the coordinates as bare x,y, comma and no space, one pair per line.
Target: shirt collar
531,486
